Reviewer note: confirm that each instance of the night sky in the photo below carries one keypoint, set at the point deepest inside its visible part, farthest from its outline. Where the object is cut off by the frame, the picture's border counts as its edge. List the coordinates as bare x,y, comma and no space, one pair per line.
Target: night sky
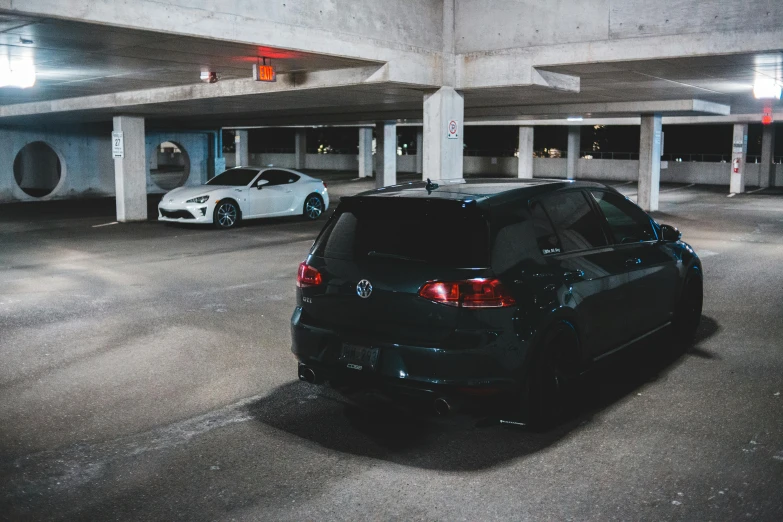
502,140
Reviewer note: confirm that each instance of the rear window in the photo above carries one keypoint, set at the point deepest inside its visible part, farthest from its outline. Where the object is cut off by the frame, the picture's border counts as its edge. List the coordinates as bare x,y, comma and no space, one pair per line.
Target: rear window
435,232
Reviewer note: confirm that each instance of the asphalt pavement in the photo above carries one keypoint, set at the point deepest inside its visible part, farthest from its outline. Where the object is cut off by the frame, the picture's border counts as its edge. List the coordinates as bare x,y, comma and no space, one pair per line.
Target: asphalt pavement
147,375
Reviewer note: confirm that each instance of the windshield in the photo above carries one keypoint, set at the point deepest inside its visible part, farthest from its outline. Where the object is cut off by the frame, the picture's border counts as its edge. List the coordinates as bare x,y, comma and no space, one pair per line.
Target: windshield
234,178
436,232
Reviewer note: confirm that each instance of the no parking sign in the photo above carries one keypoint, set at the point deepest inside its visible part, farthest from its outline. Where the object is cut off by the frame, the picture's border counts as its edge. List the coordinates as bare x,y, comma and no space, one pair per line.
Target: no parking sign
453,128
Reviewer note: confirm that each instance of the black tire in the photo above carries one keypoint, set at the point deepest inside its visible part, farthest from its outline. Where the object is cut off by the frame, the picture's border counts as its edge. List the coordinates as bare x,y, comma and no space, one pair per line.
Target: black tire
226,214
552,377
687,315
313,207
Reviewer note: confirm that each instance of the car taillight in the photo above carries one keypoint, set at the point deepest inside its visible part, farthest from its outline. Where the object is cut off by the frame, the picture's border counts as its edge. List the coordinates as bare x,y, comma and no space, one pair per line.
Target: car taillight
472,293
307,276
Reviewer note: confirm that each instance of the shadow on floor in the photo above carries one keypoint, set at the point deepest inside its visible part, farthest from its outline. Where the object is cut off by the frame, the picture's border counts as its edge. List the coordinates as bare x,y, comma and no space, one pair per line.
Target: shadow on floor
320,415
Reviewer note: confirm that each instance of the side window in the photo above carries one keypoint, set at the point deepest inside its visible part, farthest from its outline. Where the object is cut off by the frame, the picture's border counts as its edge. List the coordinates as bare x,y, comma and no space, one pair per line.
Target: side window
628,223
279,177
577,224
548,242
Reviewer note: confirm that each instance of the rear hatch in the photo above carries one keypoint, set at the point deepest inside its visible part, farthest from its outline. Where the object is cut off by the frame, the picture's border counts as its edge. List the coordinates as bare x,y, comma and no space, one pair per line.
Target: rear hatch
397,245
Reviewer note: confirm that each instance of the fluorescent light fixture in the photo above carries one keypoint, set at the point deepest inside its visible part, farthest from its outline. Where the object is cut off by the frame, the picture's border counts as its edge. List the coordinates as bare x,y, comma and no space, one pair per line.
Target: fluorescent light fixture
574,118
766,88
17,73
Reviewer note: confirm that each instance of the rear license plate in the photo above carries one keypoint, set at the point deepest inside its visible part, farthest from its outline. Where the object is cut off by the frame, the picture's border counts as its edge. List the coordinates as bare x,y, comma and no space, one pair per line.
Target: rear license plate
359,357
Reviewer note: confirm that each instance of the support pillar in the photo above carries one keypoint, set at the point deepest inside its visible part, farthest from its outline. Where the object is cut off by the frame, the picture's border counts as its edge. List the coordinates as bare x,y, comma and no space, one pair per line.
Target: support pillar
442,146
130,171
385,154
767,174
242,151
365,152
574,137
739,151
300,149
649,162
419,151
525,160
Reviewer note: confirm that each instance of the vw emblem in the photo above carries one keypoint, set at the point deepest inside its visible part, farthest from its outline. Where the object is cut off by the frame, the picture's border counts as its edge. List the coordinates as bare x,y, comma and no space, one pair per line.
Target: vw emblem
364,289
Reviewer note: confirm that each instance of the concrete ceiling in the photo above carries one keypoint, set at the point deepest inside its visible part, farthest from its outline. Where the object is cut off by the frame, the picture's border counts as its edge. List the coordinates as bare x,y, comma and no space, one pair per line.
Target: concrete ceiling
75,59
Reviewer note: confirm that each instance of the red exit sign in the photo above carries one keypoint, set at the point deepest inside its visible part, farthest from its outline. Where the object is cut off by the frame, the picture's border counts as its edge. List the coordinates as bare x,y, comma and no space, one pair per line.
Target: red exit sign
264,73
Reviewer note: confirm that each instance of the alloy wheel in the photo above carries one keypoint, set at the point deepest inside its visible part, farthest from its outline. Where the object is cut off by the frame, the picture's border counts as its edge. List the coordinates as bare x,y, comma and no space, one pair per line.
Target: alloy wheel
227,215
314,207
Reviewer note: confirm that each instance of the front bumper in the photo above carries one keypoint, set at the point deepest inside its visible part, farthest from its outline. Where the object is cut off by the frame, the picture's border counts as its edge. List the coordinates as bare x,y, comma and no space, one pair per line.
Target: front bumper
185,213
427,373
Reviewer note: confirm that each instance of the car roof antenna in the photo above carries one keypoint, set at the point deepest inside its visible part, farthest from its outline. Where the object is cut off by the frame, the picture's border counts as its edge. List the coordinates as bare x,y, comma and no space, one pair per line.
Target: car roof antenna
430,186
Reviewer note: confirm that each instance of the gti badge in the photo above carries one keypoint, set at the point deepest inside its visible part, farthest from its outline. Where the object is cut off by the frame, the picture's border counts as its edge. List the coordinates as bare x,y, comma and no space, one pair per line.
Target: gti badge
364,289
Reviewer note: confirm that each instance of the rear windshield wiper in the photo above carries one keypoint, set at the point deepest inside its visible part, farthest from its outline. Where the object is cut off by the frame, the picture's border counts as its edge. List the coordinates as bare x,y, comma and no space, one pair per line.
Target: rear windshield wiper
375,253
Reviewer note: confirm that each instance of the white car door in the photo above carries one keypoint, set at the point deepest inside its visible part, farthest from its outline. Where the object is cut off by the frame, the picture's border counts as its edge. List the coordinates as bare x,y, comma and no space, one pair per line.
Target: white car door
276,196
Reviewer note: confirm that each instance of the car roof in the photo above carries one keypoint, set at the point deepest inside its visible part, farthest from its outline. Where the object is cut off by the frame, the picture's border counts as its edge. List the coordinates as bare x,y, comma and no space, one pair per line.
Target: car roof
480,189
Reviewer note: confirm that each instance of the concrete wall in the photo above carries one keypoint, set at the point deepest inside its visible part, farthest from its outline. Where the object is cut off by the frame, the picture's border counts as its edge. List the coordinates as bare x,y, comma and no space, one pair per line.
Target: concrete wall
85,158
531,23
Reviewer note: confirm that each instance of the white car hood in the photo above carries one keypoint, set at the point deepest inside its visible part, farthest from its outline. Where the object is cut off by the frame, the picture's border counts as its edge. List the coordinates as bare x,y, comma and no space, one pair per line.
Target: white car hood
182,194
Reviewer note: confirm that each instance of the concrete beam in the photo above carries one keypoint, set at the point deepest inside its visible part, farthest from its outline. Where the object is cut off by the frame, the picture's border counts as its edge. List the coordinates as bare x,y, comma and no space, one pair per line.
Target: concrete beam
739,152
300,148
385,154
574,138
649,162
525,160
365,152
605,109
130,171
222,89
241,148
443,154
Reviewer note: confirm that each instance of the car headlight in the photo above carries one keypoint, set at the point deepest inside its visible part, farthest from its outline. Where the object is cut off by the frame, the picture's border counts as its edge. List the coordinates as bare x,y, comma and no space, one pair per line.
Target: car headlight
200,199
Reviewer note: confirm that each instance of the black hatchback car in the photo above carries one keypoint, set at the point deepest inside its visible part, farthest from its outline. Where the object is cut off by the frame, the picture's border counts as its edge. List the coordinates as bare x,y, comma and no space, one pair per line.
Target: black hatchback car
487,289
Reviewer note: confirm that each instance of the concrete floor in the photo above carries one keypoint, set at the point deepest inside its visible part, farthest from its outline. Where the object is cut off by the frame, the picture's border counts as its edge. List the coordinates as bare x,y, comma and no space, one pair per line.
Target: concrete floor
147,374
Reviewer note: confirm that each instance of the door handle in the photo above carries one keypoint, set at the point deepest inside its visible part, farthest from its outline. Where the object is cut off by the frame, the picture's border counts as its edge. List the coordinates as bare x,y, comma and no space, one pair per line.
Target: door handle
573,275
289,191
633,261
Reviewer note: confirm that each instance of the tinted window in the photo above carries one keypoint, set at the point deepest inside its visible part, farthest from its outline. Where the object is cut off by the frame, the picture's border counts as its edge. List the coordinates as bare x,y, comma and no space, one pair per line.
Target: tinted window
548,243
628,223
441,233
279,177
577,225
234,177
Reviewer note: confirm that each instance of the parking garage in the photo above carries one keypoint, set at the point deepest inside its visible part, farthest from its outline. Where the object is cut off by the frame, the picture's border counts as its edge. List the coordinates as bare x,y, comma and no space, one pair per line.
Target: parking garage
148,370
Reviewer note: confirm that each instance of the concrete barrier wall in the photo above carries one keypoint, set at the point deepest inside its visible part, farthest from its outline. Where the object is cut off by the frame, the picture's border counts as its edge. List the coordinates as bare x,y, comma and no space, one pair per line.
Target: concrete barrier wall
87,168
593,169
196,146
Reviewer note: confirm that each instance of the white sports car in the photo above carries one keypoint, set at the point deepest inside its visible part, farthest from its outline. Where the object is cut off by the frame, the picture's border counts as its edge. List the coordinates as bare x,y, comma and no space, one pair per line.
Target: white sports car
246,193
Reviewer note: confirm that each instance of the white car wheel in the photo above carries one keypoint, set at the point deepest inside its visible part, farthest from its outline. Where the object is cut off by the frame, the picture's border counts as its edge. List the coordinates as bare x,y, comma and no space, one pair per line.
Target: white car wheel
226,214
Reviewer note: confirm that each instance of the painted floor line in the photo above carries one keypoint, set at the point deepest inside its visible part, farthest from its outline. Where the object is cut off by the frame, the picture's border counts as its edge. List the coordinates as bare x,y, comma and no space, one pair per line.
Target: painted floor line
106,224
757,190
677,188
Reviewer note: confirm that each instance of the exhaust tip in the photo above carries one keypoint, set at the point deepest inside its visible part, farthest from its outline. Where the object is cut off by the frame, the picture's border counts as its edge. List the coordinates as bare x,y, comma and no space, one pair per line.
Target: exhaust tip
307,374
442,406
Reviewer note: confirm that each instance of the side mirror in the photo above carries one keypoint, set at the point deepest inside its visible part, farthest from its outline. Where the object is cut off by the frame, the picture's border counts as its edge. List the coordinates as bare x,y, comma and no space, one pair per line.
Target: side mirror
670,233
261,183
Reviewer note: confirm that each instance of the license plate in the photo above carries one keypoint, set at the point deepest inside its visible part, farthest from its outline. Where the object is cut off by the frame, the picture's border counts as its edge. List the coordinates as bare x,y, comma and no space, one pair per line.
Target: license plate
359,357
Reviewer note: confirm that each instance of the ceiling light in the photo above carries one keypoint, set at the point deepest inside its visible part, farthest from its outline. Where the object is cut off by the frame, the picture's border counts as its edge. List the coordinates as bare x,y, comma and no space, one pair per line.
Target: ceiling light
17,73
766,88
574,118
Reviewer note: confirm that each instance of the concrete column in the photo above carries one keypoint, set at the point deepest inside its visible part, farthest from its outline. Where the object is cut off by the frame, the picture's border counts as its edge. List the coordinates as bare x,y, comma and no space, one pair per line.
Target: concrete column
419,151
442,148
300,149
130,171
525,160
767,174
385,154
240,146
649,162
365,152
739,152
574,137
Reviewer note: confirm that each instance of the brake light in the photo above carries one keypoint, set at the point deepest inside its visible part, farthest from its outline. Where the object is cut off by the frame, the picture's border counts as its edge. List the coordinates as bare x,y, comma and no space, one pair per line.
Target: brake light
472,293
307,276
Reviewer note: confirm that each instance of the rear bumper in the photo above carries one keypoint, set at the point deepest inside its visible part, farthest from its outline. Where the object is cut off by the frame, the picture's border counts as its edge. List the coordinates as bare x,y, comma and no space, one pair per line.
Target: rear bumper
427,373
